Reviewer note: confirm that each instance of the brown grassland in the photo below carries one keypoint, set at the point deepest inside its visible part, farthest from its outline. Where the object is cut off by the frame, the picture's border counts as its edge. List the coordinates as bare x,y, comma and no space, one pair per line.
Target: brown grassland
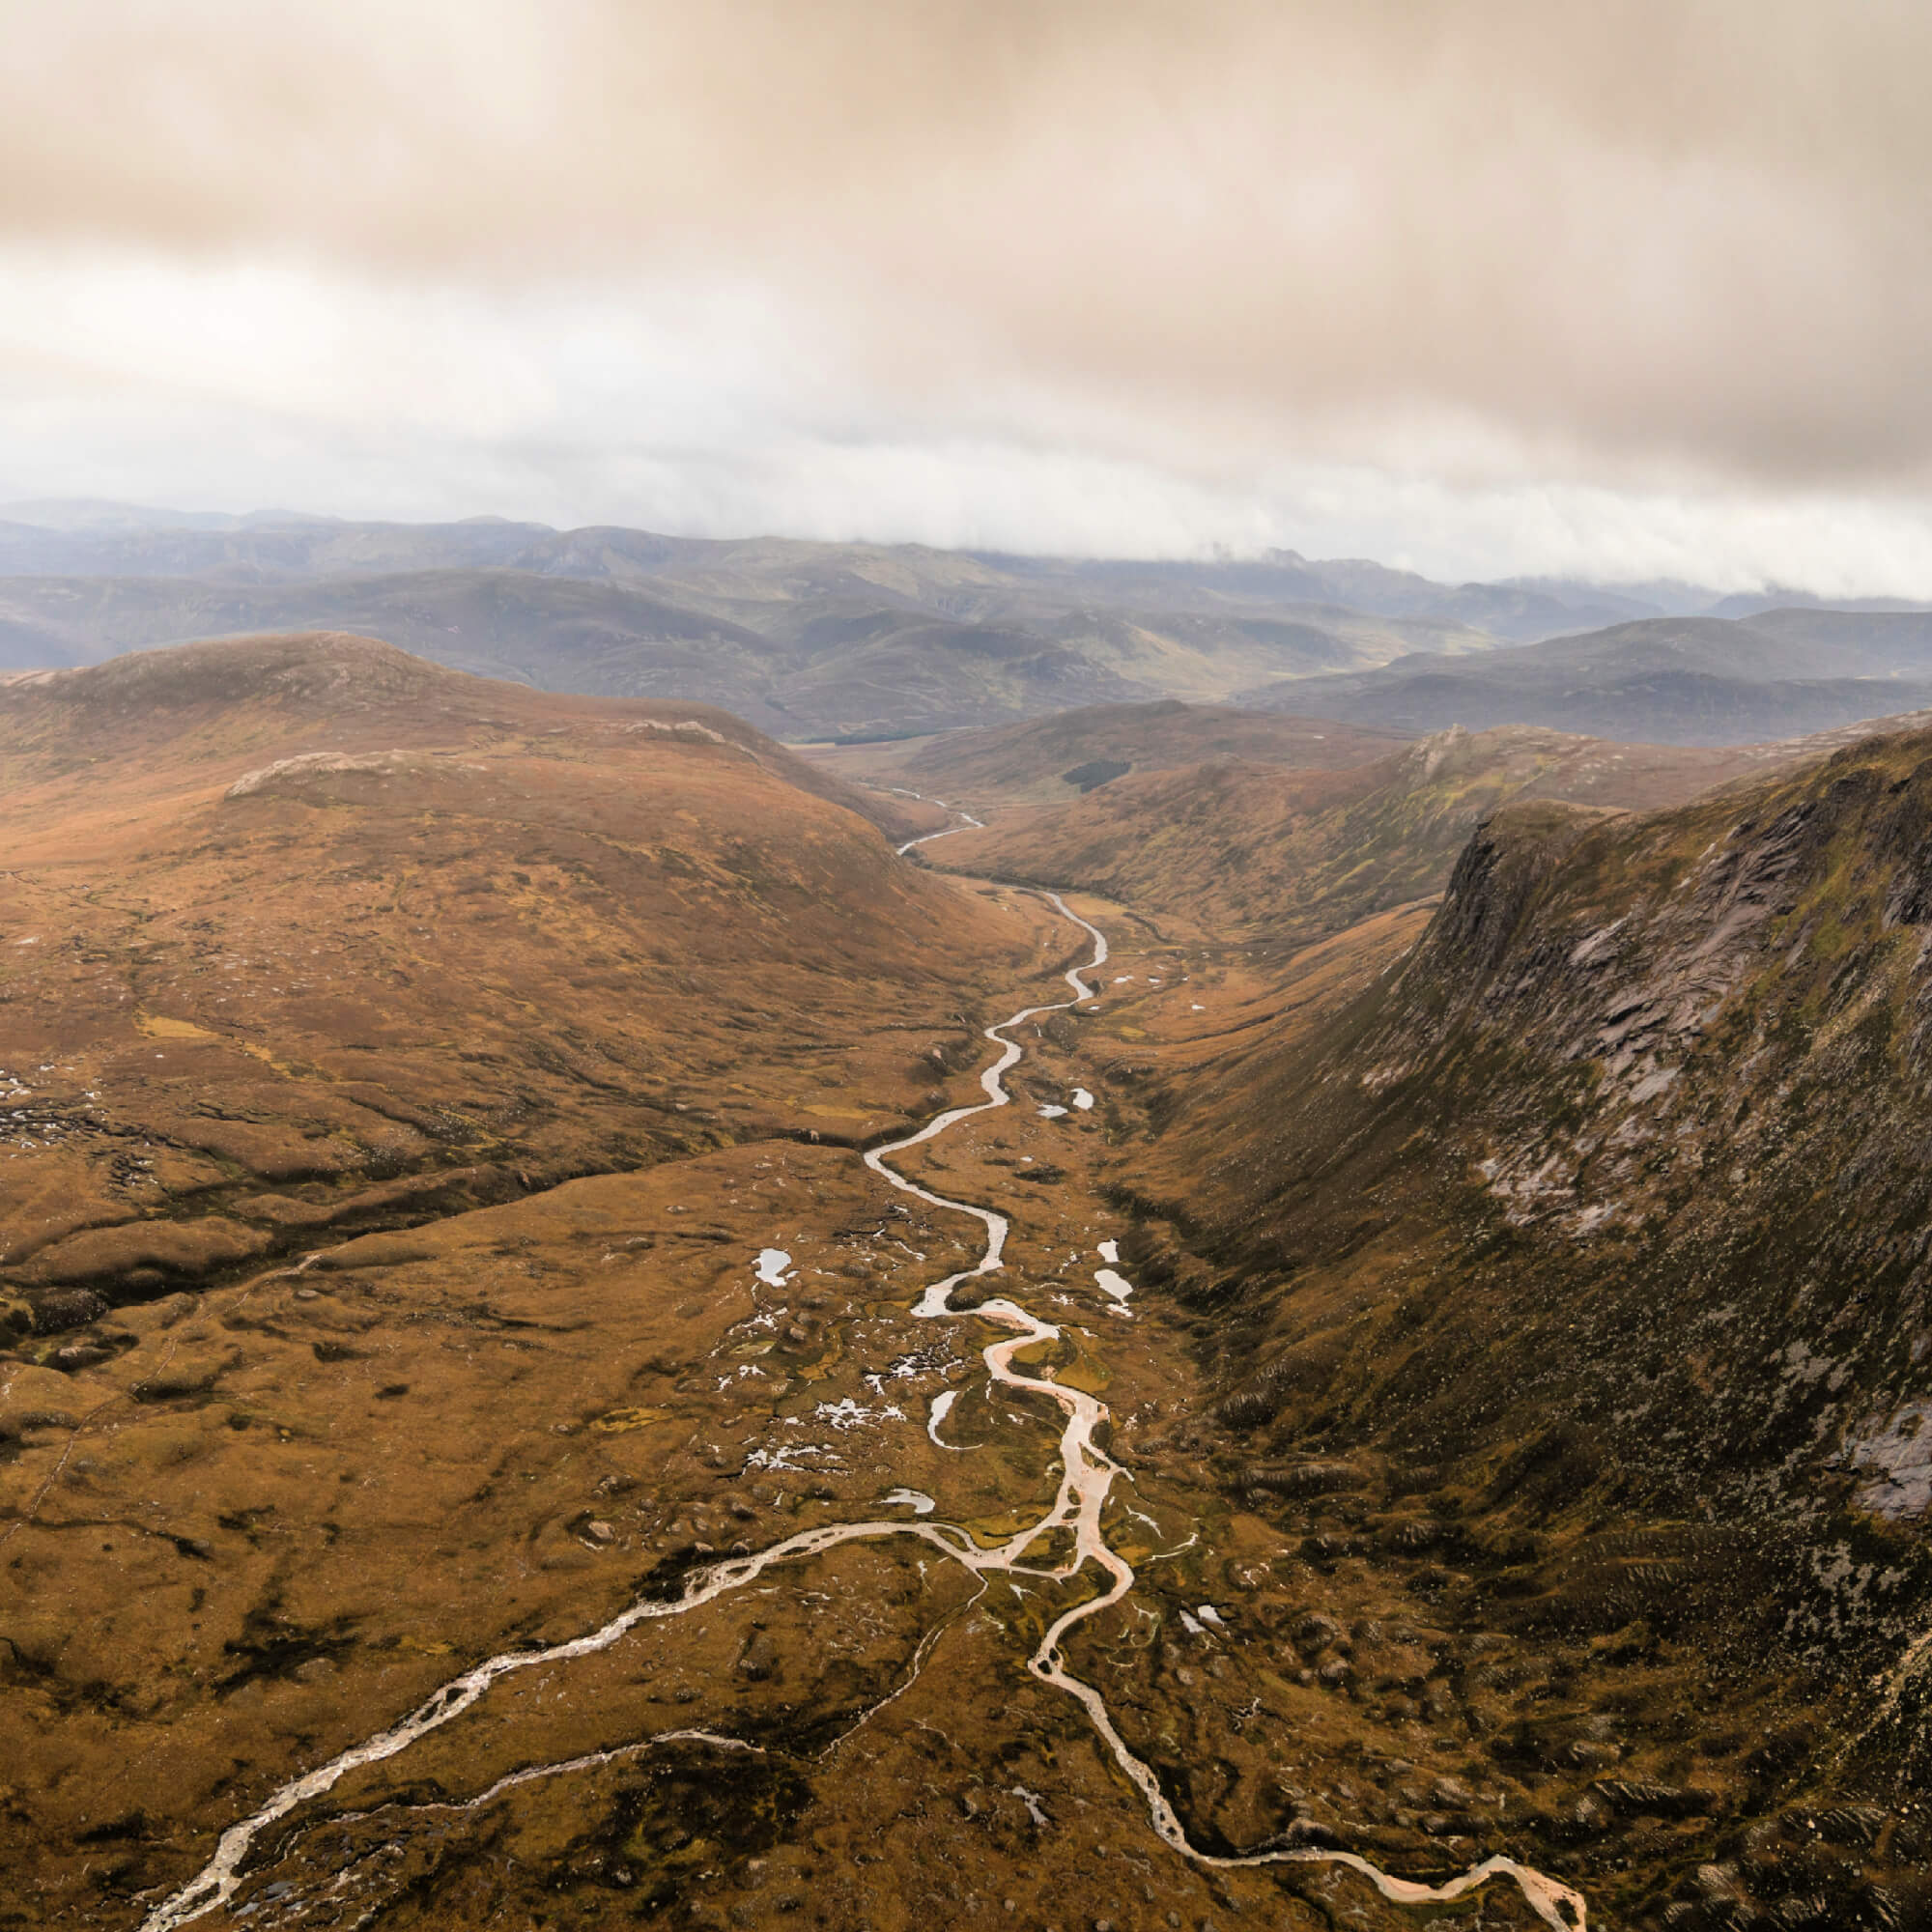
404,1074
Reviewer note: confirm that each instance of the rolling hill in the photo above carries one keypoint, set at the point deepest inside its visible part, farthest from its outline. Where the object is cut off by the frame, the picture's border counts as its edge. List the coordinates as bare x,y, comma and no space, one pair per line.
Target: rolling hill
118,540
835,651
314,933
401,1074
1679,681
806,640
1062,756
813,640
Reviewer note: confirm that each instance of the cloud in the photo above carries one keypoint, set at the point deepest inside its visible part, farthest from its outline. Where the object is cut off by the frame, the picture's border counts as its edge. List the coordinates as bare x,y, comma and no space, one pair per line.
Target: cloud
1648,253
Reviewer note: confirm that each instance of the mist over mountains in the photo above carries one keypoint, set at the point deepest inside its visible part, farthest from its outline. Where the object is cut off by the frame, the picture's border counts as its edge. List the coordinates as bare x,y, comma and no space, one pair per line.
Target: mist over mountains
813,641
1670,680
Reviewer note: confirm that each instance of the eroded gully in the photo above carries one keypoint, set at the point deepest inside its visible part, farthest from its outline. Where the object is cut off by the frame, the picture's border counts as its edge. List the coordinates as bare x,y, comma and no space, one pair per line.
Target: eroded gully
1087,1479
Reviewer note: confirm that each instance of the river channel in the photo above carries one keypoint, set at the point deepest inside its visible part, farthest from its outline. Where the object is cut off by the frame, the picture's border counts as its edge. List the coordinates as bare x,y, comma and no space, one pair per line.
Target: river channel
1087,1477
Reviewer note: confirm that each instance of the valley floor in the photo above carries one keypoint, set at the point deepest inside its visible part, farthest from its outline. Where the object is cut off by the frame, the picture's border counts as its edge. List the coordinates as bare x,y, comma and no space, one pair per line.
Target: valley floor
299,1507
566,1433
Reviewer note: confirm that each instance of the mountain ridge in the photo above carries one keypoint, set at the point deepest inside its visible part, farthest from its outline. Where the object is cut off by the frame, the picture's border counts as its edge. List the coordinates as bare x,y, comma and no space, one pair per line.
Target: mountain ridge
1677,680
817,639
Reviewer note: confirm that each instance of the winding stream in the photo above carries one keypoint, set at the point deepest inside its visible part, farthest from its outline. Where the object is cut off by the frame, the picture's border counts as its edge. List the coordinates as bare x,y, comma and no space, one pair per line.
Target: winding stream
967,823
1087,1478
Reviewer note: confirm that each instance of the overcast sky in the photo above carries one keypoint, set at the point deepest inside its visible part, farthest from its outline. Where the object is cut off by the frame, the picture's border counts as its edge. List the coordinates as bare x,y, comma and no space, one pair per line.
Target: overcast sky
1627,290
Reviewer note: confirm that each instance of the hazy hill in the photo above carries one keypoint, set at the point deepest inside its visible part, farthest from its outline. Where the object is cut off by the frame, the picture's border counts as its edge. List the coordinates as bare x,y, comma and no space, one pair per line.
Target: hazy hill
107,514
1057,758
1754,603
241,550
1873,643
811,639
1684,681
1510,611
810,659
86,538
586,635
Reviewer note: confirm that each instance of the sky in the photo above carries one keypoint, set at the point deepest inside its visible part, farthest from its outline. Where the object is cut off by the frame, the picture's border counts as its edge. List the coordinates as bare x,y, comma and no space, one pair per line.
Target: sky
1624,291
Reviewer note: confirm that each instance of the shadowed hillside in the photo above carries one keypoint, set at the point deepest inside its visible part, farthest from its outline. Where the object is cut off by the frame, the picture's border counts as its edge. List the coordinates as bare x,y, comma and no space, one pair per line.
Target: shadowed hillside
1574,1280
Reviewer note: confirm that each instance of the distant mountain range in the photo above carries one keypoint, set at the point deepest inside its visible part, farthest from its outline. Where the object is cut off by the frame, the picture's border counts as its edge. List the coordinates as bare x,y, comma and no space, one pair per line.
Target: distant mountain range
814,640
1671,680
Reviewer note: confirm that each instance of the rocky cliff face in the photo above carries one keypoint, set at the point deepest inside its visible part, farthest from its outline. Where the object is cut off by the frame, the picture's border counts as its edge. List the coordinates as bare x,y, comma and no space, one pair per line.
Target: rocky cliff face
1594,1250
1281,857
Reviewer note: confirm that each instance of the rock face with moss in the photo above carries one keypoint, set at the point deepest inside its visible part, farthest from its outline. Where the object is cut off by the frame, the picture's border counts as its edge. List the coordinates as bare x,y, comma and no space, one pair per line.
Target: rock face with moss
1282,855
1580,1273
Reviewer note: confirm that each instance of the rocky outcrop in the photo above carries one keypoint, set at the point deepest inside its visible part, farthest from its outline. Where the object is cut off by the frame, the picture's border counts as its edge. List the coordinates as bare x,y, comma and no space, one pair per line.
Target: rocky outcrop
294,776
1610,1209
